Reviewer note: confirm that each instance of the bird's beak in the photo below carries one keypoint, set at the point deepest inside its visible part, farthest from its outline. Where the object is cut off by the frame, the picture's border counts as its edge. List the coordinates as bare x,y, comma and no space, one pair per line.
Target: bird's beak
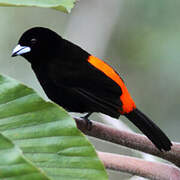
19,50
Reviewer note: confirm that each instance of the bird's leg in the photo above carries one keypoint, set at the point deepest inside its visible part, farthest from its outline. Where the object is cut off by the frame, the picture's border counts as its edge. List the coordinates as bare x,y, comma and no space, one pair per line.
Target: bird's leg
89,123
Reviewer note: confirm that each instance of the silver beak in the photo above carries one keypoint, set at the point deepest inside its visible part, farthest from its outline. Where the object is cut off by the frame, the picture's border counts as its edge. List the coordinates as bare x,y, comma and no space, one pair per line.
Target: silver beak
19,50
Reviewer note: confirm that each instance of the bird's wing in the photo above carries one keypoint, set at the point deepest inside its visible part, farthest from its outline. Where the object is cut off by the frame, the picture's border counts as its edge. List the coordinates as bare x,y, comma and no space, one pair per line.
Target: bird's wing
86,74
92,84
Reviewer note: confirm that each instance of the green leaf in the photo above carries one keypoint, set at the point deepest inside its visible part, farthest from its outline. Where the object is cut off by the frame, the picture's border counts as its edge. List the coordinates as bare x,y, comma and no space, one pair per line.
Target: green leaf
13,165
46,134
62,5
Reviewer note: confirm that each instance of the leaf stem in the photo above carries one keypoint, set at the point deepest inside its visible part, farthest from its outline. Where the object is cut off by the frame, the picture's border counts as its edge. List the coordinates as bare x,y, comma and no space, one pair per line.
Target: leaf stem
128,139
139,167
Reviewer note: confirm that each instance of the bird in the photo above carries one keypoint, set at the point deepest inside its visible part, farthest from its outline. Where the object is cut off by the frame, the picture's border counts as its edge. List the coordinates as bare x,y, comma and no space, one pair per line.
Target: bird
80,82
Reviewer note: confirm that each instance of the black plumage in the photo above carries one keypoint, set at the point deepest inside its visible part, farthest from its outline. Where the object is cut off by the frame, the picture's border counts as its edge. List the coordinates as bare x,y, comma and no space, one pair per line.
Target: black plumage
79,85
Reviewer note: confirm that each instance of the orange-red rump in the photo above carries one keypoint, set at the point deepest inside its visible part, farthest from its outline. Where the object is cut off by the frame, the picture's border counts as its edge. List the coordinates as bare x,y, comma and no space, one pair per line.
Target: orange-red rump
127,102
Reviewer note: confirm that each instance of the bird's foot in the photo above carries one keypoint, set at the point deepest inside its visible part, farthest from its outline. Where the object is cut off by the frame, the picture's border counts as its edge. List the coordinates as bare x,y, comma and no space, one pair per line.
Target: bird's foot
88,122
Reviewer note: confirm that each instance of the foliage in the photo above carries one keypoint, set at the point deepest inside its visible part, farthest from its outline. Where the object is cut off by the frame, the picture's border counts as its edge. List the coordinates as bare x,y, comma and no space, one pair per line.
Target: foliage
62,5
45,134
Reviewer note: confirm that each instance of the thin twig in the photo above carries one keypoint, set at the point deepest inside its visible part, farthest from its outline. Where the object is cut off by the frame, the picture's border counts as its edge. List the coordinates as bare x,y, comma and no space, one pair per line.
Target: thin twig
131,140
139,167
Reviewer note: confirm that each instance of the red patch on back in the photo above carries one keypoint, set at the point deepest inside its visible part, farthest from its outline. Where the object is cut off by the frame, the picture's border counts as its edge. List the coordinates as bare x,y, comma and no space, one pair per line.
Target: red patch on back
127,101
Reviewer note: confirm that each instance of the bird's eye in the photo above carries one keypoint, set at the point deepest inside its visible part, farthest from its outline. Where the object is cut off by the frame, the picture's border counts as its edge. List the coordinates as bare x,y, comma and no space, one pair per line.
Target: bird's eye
33,41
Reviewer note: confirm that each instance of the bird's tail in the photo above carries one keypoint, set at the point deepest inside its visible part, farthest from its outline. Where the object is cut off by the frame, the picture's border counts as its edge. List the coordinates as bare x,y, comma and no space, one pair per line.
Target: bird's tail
149,128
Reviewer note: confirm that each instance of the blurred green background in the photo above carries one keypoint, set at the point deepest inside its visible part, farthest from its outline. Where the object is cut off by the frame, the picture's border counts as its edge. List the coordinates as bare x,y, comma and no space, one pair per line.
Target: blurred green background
140,39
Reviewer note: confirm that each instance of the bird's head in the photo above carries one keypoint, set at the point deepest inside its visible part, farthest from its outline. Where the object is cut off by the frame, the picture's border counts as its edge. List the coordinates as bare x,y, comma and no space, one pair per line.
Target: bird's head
37,44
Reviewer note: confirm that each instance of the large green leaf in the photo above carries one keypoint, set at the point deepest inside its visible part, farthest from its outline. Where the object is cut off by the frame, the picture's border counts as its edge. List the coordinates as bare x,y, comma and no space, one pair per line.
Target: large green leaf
13,165
46,134
62,5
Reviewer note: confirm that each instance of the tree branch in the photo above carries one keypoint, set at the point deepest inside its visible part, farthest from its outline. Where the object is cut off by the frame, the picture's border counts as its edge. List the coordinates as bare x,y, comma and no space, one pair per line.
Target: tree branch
139,167
131,140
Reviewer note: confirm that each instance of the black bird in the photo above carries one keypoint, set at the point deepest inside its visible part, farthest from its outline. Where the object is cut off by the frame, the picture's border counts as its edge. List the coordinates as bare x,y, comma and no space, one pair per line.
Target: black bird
81,82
